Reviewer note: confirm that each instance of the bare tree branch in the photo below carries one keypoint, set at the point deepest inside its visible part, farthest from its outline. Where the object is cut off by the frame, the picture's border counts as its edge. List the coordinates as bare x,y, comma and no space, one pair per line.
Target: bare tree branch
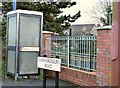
100,11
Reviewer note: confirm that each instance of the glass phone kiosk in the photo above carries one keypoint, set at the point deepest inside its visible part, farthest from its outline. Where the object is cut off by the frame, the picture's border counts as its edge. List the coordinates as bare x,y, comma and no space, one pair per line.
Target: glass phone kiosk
24,30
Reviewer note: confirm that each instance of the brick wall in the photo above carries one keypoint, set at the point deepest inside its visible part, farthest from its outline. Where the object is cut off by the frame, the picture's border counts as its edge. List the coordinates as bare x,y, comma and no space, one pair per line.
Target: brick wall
102,75
78,77
103,56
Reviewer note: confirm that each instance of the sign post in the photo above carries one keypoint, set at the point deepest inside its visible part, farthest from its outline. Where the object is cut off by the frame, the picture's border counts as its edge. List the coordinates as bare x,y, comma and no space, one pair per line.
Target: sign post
53,64
44,75
57,77
44,78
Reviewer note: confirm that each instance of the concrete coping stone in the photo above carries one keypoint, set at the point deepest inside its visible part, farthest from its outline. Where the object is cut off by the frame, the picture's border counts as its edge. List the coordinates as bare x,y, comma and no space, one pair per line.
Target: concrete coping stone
92,73
47,32
104,28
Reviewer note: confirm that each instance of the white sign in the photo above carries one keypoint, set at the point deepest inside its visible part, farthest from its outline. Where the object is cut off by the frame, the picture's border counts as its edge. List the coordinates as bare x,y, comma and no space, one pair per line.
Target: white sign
29,49
53,64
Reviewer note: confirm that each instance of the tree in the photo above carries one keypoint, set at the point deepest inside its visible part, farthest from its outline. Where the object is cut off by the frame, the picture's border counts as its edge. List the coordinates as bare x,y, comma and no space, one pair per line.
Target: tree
100,12
51,11
105,20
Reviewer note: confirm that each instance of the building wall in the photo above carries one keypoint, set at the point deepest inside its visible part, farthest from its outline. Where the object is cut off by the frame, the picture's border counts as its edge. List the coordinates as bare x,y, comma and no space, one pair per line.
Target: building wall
83,29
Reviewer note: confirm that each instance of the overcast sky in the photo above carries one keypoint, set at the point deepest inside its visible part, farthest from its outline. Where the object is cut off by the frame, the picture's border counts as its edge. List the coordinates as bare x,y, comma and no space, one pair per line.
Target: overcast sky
84,6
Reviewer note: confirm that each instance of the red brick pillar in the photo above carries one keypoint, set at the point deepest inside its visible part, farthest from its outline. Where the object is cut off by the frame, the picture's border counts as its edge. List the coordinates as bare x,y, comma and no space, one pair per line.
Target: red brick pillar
103,56
46,43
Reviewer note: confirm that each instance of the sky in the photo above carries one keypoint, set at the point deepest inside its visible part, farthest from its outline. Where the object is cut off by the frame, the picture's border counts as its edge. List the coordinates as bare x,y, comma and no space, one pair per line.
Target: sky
85,7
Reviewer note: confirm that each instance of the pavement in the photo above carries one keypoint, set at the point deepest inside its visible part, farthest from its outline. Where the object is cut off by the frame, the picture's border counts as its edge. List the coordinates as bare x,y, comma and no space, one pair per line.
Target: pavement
32,83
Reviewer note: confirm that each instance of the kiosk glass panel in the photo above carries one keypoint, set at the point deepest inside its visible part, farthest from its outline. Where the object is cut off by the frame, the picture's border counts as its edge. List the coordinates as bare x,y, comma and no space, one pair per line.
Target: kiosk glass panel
12,31
29,31
11,62
28,62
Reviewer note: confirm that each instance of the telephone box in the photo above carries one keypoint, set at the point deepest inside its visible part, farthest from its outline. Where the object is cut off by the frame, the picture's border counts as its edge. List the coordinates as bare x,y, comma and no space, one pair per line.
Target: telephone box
24,30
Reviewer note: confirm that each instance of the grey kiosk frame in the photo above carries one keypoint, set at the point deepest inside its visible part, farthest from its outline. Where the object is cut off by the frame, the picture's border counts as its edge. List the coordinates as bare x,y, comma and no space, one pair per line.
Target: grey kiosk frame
24,38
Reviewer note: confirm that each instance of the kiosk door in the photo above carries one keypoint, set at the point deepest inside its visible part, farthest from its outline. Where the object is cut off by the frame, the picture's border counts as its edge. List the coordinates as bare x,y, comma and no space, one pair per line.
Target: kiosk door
29,44
11,44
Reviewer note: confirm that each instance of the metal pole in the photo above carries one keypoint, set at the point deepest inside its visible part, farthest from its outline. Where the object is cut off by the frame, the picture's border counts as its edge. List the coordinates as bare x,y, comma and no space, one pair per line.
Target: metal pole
69,46
68,53
89,51
110,18
91,55
17,50
44,78
44,75
57,78
84,54
14,5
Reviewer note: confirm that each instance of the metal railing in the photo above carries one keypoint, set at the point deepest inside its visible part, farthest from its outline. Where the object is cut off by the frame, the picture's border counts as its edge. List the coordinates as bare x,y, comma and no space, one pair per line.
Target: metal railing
74,51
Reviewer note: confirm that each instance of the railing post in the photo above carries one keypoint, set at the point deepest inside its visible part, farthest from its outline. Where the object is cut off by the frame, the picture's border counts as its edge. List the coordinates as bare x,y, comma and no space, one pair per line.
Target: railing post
91,55
70,44
68,52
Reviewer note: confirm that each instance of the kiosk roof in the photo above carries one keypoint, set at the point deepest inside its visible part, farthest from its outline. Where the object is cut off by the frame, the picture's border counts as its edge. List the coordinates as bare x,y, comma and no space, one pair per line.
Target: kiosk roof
25,12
